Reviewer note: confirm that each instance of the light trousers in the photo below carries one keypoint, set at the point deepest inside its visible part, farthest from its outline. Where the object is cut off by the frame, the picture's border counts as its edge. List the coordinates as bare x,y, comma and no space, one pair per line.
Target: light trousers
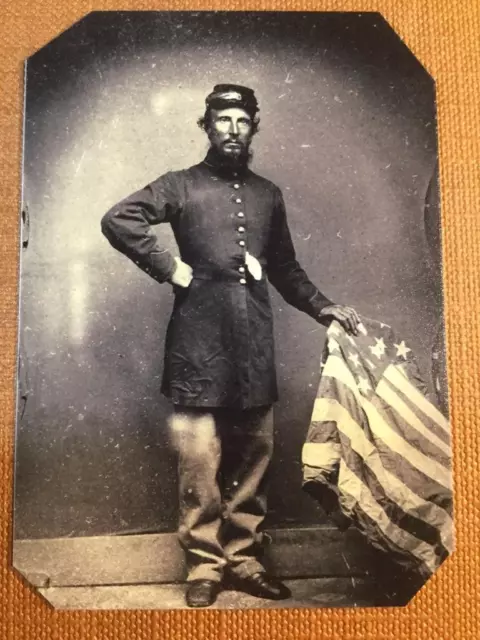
223,459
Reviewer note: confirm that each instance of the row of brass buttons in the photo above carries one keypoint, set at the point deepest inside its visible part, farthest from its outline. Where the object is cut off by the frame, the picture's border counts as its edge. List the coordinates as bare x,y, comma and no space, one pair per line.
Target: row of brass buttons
240,229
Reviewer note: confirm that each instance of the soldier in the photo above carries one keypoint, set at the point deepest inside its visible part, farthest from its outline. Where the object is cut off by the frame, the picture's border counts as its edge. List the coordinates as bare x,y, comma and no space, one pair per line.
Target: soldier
219,372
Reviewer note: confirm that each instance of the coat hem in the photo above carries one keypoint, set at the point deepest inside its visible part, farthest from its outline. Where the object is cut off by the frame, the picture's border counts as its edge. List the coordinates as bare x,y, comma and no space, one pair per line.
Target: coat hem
193,402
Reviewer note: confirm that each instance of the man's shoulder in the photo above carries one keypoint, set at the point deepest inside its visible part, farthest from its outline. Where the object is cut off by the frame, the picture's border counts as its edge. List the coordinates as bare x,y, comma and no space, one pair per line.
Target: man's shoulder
176,173
265,183
176,176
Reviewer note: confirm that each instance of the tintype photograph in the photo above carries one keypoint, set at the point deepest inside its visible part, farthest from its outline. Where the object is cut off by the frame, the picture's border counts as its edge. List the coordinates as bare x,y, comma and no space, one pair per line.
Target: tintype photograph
232,386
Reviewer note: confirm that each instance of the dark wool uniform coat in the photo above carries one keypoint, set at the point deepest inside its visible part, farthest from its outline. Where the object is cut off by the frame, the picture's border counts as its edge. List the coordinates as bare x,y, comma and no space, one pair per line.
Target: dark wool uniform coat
219,348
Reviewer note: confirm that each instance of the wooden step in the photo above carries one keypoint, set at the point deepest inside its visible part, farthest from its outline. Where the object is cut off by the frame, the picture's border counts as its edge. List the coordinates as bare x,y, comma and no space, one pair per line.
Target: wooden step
157,558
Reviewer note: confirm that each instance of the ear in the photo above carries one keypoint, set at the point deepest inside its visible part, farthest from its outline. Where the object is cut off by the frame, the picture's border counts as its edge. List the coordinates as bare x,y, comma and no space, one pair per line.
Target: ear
208,130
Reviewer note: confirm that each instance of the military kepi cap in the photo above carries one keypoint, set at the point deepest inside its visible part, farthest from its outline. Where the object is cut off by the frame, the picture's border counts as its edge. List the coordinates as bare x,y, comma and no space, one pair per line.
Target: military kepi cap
225,96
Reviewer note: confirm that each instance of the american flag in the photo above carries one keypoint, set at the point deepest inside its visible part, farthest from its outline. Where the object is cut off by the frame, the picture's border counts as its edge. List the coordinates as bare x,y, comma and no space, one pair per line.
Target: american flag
377,452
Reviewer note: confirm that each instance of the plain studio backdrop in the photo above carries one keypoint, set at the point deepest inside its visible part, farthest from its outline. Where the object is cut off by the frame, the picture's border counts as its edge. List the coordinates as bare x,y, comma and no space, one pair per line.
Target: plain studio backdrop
347,132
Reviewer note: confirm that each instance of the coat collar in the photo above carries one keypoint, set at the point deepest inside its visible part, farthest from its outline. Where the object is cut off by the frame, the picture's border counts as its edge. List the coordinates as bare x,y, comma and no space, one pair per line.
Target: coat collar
215,163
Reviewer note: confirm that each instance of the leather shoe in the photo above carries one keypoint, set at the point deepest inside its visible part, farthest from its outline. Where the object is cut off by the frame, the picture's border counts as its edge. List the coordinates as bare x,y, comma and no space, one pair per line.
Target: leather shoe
262,585
202,593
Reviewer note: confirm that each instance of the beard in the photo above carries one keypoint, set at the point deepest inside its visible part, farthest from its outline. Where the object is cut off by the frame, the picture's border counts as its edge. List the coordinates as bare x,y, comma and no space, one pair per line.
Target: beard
241,158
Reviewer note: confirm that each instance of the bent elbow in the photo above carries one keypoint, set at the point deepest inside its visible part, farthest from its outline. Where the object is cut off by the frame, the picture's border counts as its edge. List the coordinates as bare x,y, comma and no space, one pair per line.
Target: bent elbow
108,223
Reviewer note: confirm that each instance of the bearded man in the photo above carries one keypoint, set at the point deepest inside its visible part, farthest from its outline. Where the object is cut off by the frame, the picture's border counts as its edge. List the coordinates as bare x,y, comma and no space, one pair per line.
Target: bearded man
219,372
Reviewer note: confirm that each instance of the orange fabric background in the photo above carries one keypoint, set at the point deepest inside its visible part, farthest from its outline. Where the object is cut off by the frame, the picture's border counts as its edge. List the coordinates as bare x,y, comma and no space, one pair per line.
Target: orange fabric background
444,34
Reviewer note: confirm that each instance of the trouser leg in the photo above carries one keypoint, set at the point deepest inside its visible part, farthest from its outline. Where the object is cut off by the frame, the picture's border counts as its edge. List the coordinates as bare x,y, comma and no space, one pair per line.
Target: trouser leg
195,436
248,447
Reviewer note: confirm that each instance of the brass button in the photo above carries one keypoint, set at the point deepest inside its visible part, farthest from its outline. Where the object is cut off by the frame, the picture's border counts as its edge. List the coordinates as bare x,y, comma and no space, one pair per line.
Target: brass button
236,186
240,214
241,229
242,243
241,269
243,281
238,200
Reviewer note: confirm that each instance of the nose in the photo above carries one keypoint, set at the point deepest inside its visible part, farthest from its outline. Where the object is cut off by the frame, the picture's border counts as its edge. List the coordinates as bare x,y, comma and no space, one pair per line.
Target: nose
234,128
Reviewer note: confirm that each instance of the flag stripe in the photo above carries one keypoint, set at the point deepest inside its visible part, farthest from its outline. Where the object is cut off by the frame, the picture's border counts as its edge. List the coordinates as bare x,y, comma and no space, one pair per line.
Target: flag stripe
411,476
392,416
392,486
332,409
397,377
336,368
382,430
415,479
369,528
357,495
407,520
408,398
323,455
405,413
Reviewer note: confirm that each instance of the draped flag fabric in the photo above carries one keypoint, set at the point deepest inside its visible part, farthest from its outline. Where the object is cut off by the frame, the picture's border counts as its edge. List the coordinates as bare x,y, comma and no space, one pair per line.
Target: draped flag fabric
377,454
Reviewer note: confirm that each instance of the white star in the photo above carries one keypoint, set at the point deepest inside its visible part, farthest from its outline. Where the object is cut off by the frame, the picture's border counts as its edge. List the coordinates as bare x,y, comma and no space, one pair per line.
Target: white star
363,384
402,349
354,358
333,345
379,349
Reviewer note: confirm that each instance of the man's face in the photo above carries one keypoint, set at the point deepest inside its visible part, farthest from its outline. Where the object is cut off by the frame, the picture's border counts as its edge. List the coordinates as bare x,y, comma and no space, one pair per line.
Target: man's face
230,132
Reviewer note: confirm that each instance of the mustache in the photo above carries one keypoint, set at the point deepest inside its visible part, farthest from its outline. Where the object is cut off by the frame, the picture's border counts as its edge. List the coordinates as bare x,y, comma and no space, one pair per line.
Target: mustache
233,141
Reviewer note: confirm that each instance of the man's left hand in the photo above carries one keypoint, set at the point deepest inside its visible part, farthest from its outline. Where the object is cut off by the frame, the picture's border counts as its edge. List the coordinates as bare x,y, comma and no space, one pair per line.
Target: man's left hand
347,316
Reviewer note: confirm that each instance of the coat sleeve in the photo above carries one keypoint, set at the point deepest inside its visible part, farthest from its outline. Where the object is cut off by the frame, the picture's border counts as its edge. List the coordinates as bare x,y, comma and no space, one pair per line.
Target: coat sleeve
283,270
128,225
